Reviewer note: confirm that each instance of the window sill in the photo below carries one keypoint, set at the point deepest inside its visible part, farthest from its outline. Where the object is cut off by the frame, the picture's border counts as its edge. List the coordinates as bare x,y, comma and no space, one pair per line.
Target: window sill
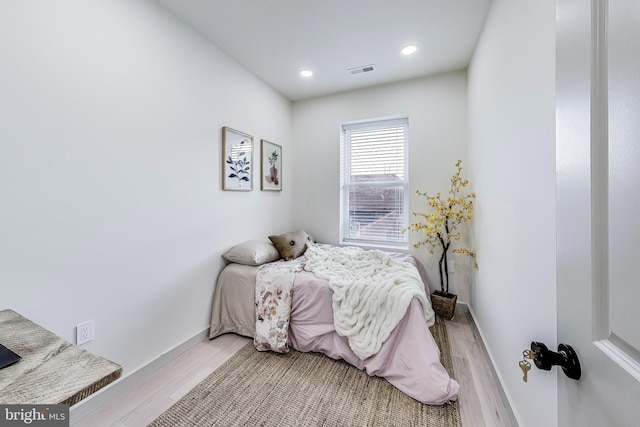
370,245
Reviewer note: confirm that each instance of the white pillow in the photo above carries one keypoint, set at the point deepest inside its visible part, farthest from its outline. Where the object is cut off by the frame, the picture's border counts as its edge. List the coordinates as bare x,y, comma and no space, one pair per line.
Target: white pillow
252,252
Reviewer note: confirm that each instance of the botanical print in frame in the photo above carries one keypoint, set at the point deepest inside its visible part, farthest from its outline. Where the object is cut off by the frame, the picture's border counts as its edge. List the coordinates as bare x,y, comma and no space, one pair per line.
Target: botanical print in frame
237,160
271,166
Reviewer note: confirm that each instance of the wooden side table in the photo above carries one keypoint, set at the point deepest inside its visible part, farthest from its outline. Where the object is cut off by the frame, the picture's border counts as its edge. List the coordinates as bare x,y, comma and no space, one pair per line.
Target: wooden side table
52,370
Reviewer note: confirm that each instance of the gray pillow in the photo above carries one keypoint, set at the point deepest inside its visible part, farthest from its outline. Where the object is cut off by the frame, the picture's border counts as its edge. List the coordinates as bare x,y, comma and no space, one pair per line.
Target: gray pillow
252,252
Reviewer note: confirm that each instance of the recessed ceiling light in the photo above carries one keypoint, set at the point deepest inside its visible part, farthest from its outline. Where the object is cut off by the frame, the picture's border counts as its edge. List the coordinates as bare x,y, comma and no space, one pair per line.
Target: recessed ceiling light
306,73
409,50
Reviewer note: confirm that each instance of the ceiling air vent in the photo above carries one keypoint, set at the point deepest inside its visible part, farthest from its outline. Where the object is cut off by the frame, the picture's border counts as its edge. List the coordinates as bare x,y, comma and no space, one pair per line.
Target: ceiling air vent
362,69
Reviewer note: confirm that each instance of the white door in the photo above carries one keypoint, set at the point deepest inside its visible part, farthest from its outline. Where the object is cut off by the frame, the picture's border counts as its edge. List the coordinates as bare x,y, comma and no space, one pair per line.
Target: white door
598,209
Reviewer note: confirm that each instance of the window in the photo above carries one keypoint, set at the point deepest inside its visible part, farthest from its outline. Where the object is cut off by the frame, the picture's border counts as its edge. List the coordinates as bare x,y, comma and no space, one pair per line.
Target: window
374,182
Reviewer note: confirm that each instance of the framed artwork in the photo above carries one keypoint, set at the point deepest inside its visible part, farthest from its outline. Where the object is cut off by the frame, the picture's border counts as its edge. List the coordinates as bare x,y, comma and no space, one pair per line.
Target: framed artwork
271,166
237,160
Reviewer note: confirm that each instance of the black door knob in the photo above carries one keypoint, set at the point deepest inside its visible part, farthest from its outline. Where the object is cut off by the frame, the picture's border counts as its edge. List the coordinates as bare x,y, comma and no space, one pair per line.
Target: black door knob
565,357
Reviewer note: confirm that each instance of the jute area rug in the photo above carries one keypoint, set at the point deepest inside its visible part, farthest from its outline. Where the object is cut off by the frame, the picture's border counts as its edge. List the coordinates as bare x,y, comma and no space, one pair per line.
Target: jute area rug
304,389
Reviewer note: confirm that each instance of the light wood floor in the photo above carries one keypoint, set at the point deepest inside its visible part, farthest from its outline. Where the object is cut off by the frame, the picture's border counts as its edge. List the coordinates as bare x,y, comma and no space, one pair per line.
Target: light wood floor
482,402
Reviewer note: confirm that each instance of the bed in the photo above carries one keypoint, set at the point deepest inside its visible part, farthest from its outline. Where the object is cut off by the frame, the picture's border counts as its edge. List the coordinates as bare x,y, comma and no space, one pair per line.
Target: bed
408,358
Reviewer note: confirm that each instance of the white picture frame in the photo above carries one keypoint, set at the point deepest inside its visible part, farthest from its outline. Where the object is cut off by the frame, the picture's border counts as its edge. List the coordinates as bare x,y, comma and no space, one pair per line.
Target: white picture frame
237,160
270,166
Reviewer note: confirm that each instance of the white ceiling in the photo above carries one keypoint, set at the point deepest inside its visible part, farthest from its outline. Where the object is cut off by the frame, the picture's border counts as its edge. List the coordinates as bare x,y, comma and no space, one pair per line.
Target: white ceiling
275,39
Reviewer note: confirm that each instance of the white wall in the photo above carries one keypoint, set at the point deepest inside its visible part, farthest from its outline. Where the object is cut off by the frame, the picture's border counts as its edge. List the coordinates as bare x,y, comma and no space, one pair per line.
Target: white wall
512,150
110,168
437,111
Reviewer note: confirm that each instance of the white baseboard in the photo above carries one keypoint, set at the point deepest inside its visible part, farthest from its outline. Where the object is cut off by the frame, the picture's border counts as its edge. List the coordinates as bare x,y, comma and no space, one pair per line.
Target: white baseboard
128,382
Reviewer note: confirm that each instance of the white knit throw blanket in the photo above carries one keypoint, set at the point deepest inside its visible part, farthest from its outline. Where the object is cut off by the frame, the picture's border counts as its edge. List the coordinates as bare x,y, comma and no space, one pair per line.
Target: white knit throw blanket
371,293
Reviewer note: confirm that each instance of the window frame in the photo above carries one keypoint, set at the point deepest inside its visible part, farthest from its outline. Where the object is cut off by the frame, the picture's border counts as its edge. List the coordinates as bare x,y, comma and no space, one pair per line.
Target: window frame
346,184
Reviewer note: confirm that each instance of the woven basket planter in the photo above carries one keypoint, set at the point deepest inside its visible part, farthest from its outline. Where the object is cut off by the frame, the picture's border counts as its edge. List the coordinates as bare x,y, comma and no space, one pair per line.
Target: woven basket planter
444,305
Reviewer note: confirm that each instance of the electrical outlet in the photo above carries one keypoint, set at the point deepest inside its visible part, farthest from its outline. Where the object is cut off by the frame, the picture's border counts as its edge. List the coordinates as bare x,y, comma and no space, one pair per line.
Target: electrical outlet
84,332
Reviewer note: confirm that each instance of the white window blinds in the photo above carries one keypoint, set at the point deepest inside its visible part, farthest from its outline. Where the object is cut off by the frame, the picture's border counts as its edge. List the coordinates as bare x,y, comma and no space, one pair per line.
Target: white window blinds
374,182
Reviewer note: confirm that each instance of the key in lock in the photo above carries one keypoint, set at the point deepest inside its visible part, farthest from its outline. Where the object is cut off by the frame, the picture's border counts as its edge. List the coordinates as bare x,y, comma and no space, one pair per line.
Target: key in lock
526,367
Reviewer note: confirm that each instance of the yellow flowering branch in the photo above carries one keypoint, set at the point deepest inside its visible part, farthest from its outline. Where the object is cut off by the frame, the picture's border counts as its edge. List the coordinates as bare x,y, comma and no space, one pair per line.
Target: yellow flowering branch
441,223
